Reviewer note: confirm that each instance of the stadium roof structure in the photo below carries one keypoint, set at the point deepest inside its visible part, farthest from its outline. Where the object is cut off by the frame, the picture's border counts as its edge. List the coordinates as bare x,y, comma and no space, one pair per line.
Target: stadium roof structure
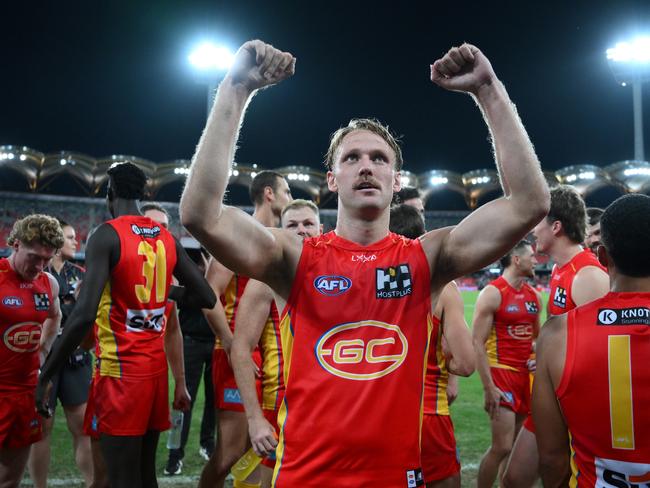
86,175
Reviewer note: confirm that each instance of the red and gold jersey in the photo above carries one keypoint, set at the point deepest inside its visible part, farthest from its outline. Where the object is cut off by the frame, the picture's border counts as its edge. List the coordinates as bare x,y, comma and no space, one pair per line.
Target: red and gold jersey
514,327
435,381
608,345
24,306
272,363
130,323
560,297
230,301
355,335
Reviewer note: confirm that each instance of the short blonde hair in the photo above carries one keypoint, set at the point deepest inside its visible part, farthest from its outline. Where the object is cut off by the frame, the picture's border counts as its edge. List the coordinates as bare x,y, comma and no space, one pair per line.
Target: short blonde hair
37,228
371,125
298,204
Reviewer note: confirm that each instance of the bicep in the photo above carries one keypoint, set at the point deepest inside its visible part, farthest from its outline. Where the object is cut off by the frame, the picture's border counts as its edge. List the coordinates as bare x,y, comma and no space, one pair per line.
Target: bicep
487,304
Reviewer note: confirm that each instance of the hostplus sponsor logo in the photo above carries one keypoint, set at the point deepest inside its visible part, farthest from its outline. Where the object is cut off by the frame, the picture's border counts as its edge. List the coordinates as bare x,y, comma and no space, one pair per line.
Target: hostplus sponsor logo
394,281
332,285
147,232
624,316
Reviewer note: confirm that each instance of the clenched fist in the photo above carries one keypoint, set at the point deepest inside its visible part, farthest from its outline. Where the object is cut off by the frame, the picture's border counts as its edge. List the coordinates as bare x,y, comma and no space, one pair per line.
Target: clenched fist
258,64
464,69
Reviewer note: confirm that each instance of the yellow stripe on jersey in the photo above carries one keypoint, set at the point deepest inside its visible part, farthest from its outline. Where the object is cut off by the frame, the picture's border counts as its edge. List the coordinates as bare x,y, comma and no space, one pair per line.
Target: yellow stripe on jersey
442,405
493,356
109,362
620,392
424,374
286,335
271,354
573,482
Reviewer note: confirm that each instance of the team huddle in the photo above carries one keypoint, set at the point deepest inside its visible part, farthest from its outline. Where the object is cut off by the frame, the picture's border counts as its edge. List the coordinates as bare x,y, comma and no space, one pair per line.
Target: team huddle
337,354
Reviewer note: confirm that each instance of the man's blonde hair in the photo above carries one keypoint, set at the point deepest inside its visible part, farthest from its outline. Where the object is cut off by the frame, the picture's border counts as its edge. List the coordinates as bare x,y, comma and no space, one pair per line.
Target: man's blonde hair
371,125
37,229
298,204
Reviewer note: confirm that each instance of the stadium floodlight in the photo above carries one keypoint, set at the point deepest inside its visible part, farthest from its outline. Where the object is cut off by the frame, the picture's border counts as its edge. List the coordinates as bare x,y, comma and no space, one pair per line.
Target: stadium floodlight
210,62
630,63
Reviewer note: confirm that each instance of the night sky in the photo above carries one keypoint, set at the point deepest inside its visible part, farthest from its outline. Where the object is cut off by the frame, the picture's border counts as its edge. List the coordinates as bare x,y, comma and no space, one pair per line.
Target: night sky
111,77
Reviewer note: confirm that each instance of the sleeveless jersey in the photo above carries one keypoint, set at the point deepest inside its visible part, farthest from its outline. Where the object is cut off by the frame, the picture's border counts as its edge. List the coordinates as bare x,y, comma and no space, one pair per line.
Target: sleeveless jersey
437,377
230,301
131,319
511,339
560,297
355,334
272,363
604,392
24,306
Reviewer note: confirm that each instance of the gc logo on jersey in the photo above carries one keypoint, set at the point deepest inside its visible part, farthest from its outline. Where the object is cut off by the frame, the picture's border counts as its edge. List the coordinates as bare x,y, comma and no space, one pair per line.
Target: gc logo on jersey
141,320
23,337
362,351
12,302
332,285
559,298
394,281
620,474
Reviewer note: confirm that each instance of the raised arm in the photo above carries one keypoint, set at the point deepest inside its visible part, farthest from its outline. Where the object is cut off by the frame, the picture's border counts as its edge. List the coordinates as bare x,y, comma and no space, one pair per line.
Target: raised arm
502,222
253,312
101,251
487,304
231,235
455,331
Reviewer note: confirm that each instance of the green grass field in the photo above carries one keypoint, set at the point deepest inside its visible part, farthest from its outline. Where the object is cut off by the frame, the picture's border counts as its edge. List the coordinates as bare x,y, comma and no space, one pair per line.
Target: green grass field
470,421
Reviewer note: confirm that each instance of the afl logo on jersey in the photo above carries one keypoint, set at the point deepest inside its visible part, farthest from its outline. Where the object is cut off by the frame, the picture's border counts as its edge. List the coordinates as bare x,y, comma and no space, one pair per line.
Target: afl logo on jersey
23,337
332,285
13,302
362,351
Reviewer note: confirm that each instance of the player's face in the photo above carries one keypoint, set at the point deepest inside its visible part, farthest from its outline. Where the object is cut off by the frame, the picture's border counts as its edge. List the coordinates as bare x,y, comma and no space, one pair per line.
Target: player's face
282,196
302,221
158,216
592,240
527,262
30,260
70,243
543,233
417,204
364,173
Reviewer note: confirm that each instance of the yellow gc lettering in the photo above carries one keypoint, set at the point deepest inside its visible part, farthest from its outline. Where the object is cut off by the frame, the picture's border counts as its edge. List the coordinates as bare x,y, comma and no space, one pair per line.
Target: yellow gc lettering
370,351
348,352
154,266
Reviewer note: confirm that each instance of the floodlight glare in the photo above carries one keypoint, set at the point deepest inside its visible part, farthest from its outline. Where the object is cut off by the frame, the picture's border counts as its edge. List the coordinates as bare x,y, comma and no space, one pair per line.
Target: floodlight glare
637,51
208,56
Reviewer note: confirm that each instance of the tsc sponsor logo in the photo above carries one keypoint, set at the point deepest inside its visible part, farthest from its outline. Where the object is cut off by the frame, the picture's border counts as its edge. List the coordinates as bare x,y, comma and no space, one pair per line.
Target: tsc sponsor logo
150,232
624,316
332,285
522,332
13,302
362,351
559,297
394,281
363,258
23,337
143,320
531,307
619,474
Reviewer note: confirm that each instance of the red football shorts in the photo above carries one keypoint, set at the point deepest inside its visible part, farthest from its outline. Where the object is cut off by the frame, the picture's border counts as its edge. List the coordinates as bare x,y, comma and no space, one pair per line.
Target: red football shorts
272,417
516,388
439,454
20,423
226,393
127,406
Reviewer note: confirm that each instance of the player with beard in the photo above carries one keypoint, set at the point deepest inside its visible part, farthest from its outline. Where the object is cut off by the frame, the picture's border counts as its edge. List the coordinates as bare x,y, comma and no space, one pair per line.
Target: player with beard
506,321
358,317
592,241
